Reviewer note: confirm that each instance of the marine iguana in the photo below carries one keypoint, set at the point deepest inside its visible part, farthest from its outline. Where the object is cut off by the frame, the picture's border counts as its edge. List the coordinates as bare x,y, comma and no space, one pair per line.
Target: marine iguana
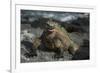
56,38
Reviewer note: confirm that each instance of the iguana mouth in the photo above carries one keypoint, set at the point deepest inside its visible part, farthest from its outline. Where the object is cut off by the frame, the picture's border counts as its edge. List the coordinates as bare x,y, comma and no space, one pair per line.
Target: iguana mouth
50,30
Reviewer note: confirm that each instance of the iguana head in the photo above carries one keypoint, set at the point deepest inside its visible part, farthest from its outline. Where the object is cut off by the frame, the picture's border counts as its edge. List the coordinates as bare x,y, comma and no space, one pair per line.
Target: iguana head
51,25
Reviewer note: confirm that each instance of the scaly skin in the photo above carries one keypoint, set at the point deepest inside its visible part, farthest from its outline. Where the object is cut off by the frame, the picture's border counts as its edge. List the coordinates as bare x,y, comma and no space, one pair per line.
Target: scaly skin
57,38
